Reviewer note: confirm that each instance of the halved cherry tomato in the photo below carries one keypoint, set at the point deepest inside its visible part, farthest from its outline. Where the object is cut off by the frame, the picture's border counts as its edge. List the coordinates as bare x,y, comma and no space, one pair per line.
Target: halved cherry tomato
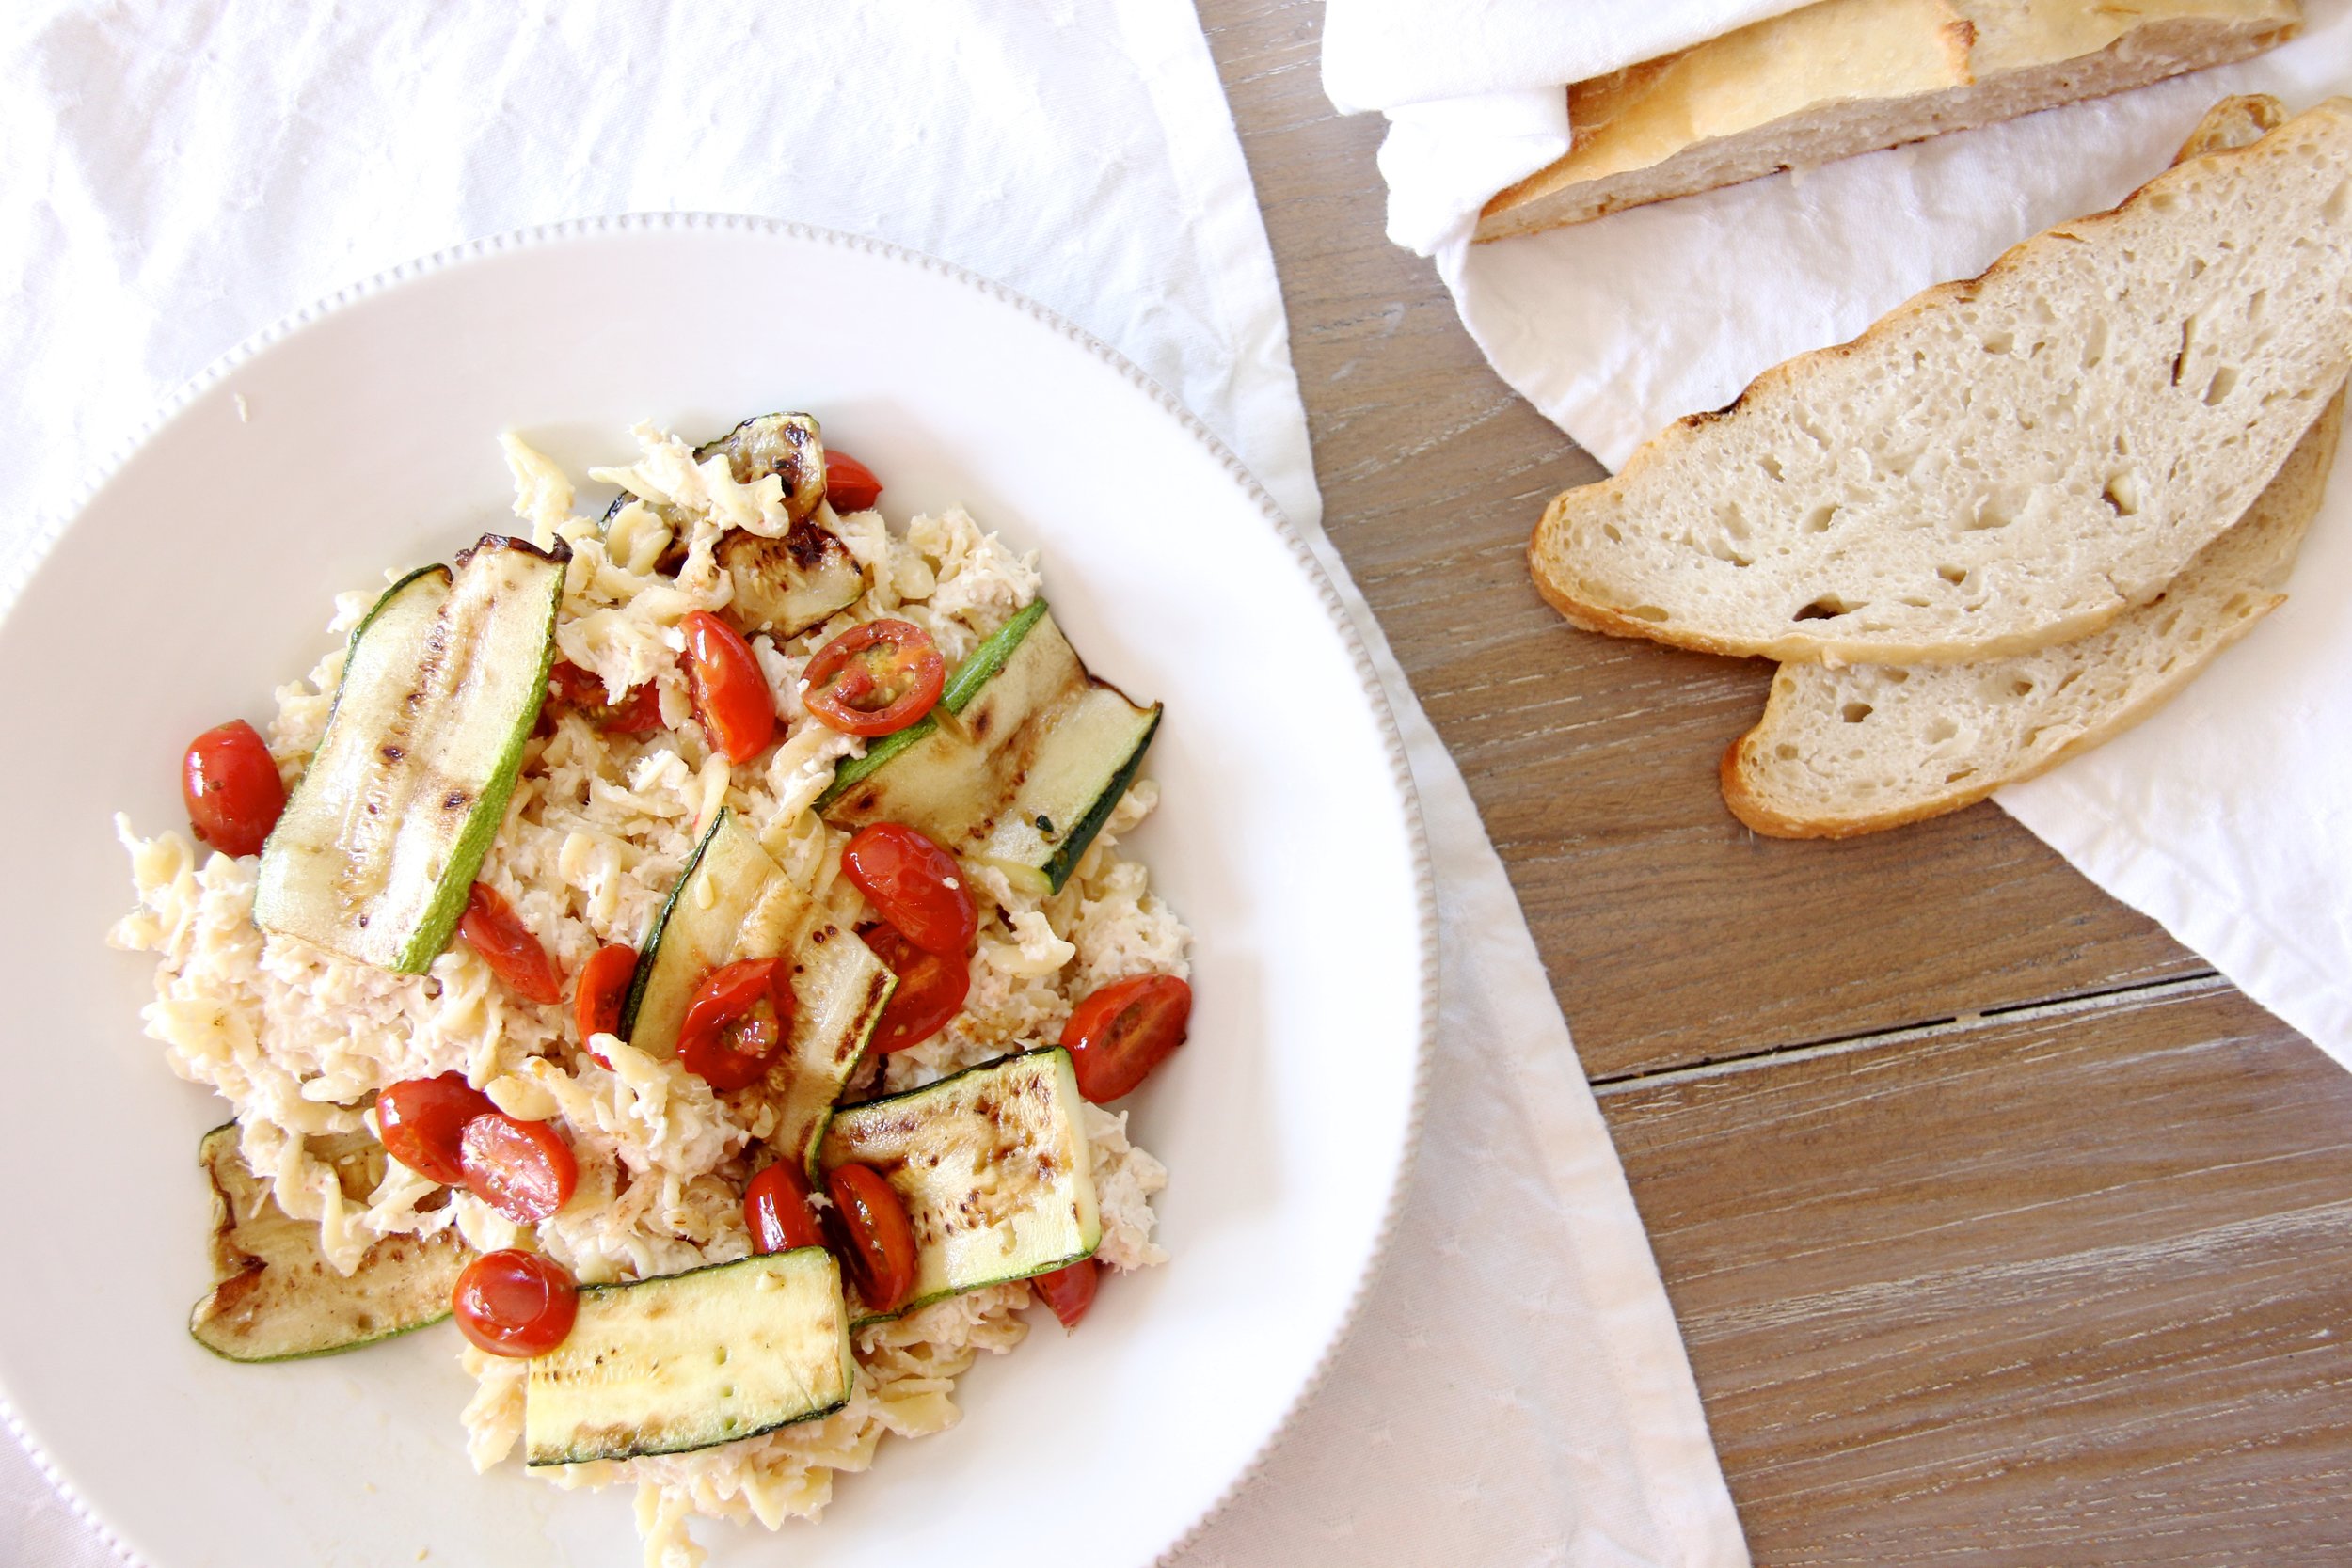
740,1019
880,1240
582,692
515,1302
421,1121
876,678
492,928
739,712
775,1206
1069,1291
849,485
930,991
914,884
1122,1031
232,788
523,1169
603,986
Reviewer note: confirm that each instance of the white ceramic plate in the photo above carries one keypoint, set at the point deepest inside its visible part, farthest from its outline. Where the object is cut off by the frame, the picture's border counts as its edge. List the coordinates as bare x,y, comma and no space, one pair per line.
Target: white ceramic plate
360,436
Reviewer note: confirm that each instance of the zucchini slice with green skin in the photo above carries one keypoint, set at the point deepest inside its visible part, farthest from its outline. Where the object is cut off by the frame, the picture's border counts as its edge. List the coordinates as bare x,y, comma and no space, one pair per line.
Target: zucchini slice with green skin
380,841
1026,772
276,1297
992,1164
734,902
690,1360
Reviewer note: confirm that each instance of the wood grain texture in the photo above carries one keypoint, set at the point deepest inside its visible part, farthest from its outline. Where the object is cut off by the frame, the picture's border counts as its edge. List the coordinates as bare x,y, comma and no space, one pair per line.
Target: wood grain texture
1673,935
2074,1287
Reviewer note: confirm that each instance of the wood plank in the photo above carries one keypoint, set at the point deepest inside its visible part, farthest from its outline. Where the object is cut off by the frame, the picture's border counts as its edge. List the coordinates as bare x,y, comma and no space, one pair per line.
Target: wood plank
2071,1287
1673,935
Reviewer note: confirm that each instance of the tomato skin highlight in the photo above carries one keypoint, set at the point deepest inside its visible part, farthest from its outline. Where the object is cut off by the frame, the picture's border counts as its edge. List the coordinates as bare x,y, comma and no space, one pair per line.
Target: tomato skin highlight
422,1119
775,1206
914,885
1068,1291
876,678
582,692
523,1169
930,991
515,1302
230,783
849,485
879,1237
739,712
603,987
1118,1034
738,1022
492,928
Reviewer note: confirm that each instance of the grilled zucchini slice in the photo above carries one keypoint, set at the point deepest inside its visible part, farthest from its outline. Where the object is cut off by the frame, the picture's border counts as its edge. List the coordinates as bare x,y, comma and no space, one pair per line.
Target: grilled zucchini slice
689,1360
992,1164
379,842
274,1296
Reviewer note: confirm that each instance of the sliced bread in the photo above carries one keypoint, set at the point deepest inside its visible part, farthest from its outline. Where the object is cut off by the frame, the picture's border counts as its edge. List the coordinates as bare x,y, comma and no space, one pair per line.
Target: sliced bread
2003,463
1870,746
1845,76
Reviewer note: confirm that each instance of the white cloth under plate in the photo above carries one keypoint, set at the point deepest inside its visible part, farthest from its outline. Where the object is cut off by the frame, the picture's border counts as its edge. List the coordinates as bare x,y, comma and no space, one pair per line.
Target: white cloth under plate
175,175
2224,816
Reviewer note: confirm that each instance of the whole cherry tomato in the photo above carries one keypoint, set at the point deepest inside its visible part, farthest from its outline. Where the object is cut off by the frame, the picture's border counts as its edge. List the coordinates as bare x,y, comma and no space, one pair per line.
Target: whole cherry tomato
421,1121
232,788
1119,1034
523,1169
775,1206
849,485
739,712
914,885
582,692
876,678
880,1240
492,928
930,991
515,1302
740,1017
602,989
1068,1291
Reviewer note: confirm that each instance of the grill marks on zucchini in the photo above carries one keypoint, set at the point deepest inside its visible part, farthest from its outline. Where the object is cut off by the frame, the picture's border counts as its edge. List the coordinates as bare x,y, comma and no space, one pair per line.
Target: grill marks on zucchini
380,840
690,1360
276,1297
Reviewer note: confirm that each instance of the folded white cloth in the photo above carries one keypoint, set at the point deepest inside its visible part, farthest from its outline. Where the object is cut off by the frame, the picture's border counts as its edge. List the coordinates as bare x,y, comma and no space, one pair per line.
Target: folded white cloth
2221,816
175,176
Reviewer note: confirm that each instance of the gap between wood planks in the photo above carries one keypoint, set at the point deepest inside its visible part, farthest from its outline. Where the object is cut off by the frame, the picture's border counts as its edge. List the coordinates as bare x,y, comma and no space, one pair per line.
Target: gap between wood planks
2202,983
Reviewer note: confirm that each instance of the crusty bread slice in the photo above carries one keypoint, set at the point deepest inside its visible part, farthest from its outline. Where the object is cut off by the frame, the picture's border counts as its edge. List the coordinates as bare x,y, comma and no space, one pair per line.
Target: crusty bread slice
2003,463
1840,77
1870,746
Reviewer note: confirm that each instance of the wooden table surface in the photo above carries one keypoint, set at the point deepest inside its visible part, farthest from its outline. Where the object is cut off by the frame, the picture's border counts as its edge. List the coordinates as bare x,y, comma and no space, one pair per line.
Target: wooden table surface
2001,1231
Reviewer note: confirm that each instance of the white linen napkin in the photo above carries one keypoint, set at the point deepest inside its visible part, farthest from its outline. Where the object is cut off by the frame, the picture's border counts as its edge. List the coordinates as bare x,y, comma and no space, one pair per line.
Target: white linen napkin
2222,817
174,177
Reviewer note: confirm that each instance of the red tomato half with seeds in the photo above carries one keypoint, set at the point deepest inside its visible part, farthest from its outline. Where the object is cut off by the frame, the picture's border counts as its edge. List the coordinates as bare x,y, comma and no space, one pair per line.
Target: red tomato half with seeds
523,1169
879,1238
775,1206
930,991
515,1302
739,712
738,1022
582,692
1119,1033
421,1121
876,678
231,785
914,885
849,485
603,987
1069,1291
492,928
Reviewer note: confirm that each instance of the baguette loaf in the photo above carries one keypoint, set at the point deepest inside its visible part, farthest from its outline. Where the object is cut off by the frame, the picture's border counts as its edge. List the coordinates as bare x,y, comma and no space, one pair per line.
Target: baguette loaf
2004,463
1870,746
1847,76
